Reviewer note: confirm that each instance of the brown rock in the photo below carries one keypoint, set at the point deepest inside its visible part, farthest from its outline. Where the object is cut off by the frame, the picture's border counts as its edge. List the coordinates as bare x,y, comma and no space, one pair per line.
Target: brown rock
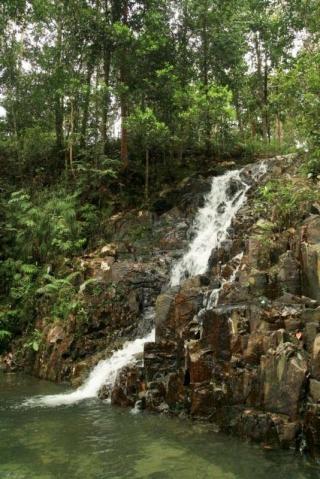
283,376
160,359
315,359
216,333
200,362
314,389
202,401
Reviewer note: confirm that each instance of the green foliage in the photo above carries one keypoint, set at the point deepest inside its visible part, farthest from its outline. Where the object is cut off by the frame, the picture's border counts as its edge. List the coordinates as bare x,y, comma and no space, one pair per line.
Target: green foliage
40,232
206,115
18,284
34,341
147,130
284,202
192,81
43,228
61,297
312,164
5,337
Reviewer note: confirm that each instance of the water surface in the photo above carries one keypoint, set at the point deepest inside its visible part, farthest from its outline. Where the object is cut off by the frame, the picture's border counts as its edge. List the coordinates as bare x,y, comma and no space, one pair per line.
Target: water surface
91,440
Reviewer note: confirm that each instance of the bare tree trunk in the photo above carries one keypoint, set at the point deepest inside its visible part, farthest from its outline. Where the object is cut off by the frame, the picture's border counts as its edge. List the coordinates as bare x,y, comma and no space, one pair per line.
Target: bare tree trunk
85,116
205,72
71,137
123,99
106,75
261,86
58,97
106,96
147,174
266,99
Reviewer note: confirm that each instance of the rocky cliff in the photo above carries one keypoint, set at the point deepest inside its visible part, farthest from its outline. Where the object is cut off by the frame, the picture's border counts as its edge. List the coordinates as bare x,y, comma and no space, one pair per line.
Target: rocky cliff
250,361
238,346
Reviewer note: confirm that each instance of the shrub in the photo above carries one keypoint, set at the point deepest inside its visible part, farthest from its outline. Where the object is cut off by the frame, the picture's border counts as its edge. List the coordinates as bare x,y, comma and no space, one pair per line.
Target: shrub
284,202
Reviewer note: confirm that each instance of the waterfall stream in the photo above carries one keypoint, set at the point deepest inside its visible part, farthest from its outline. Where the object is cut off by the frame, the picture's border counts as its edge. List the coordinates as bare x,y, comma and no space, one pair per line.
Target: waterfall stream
227,195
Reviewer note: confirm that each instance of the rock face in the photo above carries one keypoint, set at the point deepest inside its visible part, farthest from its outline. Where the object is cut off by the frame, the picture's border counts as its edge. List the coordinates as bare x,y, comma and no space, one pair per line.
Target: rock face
251,364
116,313
118,284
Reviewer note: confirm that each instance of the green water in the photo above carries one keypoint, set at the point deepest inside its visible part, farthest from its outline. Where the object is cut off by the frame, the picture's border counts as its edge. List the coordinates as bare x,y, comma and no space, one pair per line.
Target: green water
91,440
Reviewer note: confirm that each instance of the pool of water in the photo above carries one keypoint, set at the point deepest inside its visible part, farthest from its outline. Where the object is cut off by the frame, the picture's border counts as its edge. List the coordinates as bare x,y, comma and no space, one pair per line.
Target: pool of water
92,440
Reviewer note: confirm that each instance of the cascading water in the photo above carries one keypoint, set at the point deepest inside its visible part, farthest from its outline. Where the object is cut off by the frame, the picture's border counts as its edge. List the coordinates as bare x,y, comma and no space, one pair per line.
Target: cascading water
214,296
227,195
103,374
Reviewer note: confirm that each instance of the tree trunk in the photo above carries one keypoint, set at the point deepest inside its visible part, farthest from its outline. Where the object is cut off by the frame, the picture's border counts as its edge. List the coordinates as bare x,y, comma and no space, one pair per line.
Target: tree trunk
147,173
106,96
71,137
123,99
59,121
266,99
106,76
85,116
261,86
58,97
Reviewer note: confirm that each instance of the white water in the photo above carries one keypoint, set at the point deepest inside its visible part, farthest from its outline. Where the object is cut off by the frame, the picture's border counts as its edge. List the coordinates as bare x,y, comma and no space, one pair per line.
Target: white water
104,373
214,296
213,221
210,229
211,225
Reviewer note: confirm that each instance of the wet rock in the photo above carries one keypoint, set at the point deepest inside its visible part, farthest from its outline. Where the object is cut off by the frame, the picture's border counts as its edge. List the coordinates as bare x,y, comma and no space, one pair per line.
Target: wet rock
283,374
257,346
272,430
174,313
200,362
202,402
175,389
311,428
233,187
216,334
257,426
243,386
126,389
160,359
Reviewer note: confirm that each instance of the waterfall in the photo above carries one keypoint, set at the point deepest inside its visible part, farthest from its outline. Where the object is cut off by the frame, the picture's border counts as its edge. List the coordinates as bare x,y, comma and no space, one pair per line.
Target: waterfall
104,373
227,195
214,296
